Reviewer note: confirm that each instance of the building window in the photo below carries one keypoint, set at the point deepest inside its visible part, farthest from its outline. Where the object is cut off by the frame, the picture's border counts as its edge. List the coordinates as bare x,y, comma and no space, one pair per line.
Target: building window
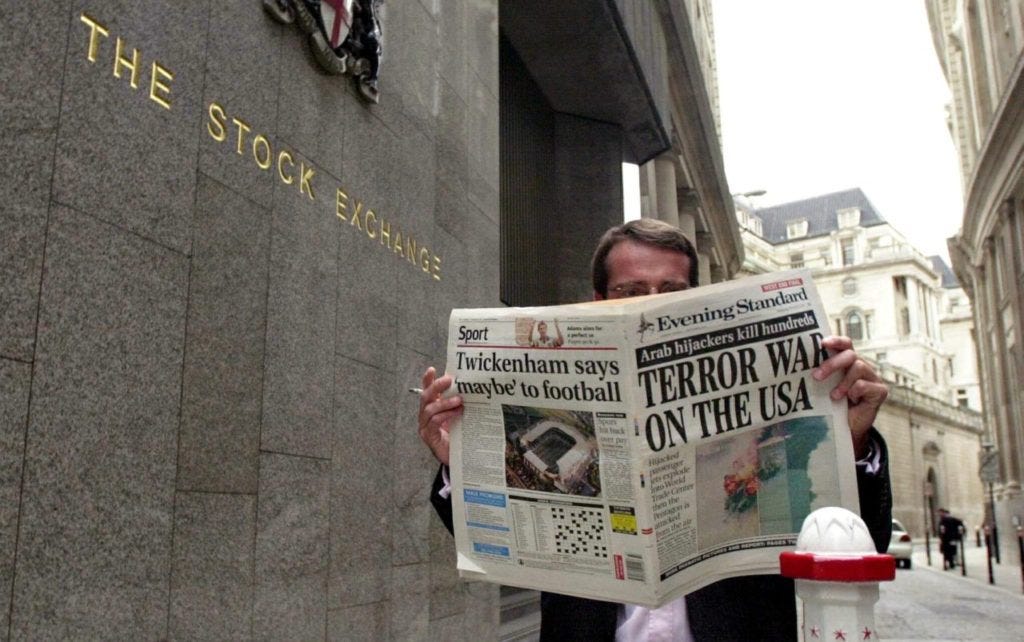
755,226
849,217
849,286
961,397
796,229
854,326
847,249
796,260
900,283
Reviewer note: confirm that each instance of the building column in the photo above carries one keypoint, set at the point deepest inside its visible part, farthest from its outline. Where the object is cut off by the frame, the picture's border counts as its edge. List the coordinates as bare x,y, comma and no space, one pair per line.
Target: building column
993,335
934,312
666,204
717,273
688,224
648,191
983,345
687,205
703,246
914,305
1013,269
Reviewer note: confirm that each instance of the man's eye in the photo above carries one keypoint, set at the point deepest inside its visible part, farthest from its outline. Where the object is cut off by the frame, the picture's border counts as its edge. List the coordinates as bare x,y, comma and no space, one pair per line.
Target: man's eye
673,287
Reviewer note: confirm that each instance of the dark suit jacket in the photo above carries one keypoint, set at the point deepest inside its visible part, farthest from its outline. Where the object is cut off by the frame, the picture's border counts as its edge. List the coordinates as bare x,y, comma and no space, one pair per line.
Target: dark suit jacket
753,607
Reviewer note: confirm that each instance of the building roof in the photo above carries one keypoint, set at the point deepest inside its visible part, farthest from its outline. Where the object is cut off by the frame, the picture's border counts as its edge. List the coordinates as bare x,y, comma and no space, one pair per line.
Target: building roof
948,277
820,213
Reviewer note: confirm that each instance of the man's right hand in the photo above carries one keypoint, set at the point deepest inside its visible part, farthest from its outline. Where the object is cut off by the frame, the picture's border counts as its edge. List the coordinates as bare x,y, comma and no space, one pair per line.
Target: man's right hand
436,413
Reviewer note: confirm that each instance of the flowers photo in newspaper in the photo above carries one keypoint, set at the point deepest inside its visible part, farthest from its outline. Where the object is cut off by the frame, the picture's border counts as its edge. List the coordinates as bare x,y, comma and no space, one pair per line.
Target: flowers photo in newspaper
761,483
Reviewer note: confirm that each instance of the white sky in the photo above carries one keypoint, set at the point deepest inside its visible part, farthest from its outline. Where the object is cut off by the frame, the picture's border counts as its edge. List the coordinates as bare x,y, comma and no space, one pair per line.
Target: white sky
824,95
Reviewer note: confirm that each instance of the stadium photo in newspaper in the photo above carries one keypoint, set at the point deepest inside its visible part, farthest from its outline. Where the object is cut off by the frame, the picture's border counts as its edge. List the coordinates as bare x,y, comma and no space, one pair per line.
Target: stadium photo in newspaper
551,451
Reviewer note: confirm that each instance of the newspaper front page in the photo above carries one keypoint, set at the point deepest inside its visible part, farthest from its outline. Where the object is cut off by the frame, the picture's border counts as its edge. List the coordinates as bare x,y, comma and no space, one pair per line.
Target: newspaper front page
636,450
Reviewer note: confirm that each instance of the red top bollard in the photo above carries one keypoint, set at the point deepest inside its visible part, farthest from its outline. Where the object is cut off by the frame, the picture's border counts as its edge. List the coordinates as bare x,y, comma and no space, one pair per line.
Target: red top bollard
837,572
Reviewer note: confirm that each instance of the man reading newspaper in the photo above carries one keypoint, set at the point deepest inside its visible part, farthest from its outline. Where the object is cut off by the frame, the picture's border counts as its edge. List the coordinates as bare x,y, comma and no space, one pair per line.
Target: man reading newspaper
647,257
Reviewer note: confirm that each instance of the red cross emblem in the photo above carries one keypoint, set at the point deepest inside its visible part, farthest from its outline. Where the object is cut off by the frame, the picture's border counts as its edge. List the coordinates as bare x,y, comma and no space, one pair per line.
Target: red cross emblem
339,14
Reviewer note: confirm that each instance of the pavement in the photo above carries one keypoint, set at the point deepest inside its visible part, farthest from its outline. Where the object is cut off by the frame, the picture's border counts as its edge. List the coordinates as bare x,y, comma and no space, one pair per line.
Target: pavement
929,603
1006,575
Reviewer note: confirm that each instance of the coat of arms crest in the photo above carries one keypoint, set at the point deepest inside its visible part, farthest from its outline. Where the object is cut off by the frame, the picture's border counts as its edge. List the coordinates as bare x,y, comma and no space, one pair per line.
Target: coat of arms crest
344,36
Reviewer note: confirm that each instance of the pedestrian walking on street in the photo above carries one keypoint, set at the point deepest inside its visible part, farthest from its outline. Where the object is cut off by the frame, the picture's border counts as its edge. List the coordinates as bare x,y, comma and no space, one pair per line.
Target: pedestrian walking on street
951,532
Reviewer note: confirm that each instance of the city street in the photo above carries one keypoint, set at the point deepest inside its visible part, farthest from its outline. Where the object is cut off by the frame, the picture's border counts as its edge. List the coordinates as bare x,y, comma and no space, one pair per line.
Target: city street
927,603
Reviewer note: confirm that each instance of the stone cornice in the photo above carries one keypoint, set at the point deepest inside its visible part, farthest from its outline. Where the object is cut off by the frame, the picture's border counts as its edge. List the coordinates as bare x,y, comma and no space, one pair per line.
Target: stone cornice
921,404
699,145
1000,162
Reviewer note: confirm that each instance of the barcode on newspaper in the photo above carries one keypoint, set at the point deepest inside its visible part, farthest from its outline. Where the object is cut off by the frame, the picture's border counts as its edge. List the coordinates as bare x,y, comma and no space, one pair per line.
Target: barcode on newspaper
635,568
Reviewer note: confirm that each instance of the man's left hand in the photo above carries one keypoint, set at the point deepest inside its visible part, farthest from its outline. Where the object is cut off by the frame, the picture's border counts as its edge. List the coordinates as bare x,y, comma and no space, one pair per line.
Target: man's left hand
860,385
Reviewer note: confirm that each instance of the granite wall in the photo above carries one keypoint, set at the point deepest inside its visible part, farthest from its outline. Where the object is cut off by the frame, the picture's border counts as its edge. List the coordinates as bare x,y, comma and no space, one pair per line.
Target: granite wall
205,336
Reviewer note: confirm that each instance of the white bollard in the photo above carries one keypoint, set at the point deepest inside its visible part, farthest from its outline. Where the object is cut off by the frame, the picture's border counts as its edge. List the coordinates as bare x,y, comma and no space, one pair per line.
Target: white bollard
837,572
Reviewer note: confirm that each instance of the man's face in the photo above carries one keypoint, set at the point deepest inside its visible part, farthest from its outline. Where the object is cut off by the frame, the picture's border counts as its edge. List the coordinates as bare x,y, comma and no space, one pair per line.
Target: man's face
647,266
542,328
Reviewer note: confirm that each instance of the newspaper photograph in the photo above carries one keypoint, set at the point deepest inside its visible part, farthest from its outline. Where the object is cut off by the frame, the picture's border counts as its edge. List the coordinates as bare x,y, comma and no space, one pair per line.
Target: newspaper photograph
639,449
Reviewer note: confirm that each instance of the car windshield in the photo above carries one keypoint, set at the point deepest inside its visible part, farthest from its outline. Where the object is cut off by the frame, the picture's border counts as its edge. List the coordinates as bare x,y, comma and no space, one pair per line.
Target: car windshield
896,526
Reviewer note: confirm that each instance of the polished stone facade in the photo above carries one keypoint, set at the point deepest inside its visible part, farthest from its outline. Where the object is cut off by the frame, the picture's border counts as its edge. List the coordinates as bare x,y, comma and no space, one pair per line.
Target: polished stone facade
204,425
221,270
980,46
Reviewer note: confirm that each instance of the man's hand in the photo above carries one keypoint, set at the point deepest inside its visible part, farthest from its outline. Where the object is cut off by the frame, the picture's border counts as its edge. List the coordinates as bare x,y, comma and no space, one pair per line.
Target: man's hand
860,385
436,413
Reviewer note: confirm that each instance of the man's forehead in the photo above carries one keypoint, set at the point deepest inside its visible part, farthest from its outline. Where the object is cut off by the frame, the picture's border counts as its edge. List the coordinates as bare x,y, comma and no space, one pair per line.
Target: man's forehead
629,260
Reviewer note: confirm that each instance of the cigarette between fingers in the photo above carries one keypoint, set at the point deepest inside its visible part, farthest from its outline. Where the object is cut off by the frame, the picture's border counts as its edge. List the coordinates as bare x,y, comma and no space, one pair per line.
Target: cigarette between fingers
416,391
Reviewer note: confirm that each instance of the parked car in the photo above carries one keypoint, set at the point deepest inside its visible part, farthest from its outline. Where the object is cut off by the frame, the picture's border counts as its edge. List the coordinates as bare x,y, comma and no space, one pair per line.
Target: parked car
900,545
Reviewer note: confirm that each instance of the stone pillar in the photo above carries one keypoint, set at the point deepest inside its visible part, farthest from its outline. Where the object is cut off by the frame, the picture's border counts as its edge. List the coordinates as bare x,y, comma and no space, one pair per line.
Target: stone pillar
687,206
704,246
665,186
688,224
648,191
993,335
914,305
717,273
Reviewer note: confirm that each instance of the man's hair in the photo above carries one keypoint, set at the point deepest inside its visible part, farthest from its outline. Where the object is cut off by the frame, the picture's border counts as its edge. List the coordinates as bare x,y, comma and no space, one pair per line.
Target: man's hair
648,231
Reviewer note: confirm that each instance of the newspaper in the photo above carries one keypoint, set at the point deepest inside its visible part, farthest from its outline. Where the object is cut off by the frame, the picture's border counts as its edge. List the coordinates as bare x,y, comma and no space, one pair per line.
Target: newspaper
636,450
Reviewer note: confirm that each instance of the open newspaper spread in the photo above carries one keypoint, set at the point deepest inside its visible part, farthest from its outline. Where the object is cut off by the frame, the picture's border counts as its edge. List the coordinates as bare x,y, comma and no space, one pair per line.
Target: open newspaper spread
636,450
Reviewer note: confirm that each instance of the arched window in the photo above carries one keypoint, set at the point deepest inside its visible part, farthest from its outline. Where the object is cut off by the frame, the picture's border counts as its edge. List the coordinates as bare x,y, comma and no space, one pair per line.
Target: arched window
854,325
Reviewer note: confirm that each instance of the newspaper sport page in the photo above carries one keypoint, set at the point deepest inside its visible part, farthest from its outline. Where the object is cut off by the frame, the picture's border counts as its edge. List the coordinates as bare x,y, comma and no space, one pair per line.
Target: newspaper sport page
636,450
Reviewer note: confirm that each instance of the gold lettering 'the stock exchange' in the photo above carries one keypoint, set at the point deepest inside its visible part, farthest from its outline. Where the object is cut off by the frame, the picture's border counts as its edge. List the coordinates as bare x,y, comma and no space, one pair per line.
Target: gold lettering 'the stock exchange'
261,151
159,76
128,65
353,212
376,227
